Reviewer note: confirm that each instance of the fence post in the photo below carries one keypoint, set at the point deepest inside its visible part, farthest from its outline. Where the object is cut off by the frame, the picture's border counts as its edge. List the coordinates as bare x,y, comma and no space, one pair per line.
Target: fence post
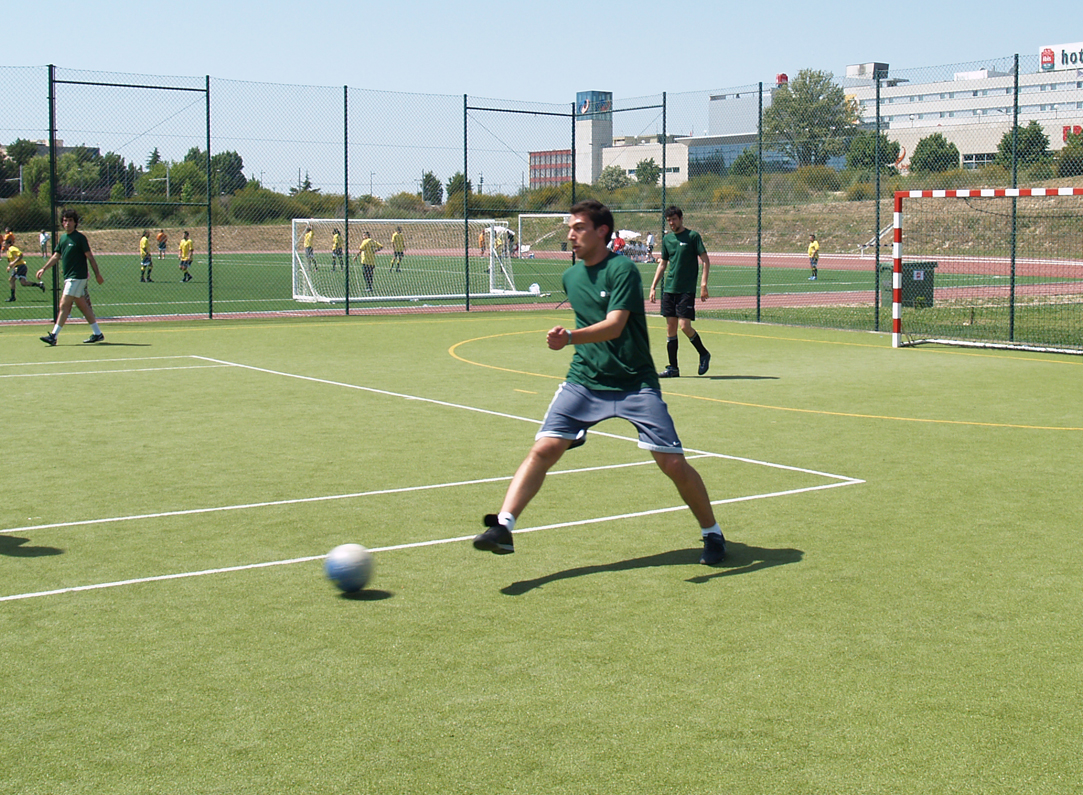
345,188
210,198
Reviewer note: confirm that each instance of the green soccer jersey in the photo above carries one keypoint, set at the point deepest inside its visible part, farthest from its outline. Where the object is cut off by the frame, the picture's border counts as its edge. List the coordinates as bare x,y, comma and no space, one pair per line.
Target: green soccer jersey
682,251
623,364
73,249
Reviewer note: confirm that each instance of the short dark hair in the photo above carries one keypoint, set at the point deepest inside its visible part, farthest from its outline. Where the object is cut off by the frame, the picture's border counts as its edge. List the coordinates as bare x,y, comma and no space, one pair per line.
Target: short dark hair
674,210
598,213
72,214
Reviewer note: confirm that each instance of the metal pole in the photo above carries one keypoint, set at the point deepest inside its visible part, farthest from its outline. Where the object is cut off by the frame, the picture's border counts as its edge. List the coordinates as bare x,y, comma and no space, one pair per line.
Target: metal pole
210,196
665,139
759,203
52,180
466,212
876,229
346,187
1015,184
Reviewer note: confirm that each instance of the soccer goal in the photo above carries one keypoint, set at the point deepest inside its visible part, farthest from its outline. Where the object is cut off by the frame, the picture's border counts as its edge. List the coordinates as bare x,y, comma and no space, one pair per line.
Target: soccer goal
998,268
412,260
542,232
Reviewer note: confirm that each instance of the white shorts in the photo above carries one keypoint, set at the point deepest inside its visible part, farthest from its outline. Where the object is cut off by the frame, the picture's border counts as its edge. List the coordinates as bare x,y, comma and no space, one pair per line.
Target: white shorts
76,288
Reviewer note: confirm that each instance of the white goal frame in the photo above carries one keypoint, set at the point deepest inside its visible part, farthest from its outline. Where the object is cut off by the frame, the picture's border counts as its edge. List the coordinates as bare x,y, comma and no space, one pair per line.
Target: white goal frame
493,270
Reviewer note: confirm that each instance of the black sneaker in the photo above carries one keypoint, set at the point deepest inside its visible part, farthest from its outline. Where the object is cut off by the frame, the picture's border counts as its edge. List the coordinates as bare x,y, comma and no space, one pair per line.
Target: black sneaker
94,338
10,299
714,549
496,539
42,286
704,363
49,339
670,372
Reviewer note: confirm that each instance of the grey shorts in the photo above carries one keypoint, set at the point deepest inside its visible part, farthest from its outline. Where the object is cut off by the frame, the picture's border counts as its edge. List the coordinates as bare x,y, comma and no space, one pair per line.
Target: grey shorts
575,408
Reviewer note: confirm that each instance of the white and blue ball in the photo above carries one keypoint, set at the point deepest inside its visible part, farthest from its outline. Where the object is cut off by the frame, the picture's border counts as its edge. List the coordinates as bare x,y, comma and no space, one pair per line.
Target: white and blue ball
349,566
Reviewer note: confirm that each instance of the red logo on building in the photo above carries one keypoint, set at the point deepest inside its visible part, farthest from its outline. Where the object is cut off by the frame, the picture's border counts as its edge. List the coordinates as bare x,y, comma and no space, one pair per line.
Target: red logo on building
1049,59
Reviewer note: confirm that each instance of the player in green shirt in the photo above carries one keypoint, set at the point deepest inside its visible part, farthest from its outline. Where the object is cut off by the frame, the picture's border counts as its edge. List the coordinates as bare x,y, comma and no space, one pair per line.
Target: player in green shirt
611,375
682,251
73,253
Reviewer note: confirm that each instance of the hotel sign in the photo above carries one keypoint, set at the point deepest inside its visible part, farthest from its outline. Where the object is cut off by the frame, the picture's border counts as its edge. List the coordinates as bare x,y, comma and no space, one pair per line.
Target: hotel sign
1062,56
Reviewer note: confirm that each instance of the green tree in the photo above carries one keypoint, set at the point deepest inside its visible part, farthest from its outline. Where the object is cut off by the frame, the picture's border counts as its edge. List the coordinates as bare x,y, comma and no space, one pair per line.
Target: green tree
455,185
76,176
613,178
1070,157
22,151
432,192
862,153
1032,148
154,159
810,119
228,170
648,172
934,154
745,164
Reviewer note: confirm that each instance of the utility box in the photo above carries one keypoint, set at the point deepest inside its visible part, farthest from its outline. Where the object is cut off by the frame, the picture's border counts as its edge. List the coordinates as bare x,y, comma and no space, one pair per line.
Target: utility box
917,284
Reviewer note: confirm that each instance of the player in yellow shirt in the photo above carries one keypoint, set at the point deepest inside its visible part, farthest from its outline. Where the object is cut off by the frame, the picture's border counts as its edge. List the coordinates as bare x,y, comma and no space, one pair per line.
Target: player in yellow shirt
336,250
310,256
398,246
146,265
17,269
813,256
367,255
186,257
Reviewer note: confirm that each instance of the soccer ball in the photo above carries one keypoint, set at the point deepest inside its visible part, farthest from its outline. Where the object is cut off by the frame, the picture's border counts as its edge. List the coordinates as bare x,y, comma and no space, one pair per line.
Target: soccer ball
349,566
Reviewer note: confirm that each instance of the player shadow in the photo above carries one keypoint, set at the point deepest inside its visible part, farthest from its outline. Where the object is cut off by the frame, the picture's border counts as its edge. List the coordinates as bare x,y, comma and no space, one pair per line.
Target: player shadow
366,595
742,559
107,344
12,546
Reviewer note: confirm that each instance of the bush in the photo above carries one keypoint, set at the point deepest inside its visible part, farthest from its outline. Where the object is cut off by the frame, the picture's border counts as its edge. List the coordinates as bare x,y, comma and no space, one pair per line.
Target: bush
256,205
818,178
861,192
23,213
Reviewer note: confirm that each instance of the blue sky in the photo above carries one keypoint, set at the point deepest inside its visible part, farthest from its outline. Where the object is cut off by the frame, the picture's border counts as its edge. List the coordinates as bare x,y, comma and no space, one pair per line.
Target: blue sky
538,51
541,52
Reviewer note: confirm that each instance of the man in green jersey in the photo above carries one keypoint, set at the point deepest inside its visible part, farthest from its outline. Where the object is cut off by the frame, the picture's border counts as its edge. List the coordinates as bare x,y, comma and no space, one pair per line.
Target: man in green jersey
73,252
611,375
682,251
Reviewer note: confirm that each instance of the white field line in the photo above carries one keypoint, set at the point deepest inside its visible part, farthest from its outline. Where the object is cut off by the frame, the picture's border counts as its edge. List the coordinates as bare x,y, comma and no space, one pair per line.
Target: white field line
841,480
128,370
414,545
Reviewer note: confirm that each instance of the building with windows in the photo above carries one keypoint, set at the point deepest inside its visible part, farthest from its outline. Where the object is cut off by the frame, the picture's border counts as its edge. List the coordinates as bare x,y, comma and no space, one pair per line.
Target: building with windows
550,168
974,109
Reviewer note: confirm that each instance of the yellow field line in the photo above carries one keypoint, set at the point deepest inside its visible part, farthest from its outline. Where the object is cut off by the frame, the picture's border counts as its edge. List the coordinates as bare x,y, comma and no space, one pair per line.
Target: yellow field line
452,351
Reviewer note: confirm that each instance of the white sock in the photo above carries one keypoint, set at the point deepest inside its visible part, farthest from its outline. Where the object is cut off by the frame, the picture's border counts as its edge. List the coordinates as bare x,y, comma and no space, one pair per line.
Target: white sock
712,530
95,329
507,520
56,329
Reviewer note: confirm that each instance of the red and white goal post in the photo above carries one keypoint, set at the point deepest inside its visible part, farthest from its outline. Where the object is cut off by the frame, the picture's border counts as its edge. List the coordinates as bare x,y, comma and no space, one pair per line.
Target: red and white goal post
989,267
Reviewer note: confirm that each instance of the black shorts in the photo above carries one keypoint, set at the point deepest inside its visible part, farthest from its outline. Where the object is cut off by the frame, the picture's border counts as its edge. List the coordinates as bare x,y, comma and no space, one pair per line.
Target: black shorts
681,305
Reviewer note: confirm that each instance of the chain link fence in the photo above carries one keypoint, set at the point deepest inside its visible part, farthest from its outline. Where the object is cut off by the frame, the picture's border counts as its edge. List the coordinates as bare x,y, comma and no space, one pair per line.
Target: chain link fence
336,199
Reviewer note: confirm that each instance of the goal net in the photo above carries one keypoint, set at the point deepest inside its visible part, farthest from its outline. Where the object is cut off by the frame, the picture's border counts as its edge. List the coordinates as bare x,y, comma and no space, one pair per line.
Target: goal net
991,268
407,260
542,233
